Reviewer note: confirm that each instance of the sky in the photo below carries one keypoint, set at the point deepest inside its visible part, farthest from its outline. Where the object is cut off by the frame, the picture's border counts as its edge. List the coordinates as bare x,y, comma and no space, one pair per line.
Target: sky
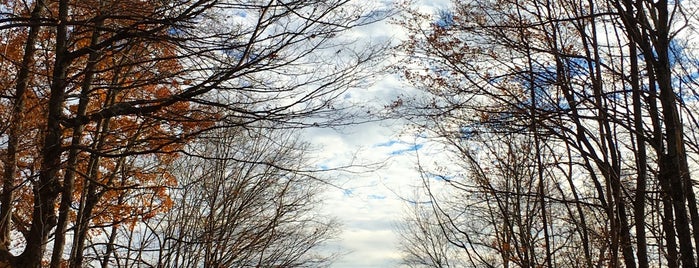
370,203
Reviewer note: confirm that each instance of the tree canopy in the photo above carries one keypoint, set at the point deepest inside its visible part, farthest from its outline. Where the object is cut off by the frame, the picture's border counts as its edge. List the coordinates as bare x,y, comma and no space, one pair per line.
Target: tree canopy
571,129
99,97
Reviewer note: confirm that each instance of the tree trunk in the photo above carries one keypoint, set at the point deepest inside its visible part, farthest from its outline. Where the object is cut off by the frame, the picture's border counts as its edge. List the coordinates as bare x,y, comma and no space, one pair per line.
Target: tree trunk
641,162
15,130
69,180
46,190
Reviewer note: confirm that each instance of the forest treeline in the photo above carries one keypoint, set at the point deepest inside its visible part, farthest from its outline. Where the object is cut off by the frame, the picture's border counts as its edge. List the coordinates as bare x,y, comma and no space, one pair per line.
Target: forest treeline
156,133
571,132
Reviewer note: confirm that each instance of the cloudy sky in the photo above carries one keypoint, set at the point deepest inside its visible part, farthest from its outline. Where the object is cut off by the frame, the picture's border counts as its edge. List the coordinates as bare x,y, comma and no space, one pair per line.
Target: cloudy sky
369,204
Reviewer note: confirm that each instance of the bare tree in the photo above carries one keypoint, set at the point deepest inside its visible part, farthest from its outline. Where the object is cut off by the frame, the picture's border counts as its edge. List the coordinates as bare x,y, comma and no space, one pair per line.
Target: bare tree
593,90
421,237
243,201
102,94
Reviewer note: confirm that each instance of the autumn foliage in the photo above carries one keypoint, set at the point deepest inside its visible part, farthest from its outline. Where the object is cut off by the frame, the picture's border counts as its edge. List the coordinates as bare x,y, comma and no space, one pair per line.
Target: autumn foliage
99,97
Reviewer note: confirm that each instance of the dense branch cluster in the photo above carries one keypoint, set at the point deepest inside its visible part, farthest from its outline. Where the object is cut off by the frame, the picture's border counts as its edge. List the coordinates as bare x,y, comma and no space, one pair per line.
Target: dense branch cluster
571,127
100,99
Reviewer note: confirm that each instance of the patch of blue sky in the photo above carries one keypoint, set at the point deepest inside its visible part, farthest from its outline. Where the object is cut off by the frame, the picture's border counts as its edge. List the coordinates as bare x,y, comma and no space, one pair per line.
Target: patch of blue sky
563,104
439,177
412,148
676,52
689,71
388,143
692,76
233,53
376,197
469,131
445,19
579,67
237,54
542,78
174,31
347,192
245,83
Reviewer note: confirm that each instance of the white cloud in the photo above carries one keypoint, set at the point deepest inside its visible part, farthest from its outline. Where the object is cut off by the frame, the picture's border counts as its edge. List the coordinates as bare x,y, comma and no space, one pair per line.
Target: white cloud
369,204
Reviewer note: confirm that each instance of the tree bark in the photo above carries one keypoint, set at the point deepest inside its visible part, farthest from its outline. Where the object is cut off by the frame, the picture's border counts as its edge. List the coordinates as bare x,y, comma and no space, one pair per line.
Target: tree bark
46,190
69,180
16,129
639,204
